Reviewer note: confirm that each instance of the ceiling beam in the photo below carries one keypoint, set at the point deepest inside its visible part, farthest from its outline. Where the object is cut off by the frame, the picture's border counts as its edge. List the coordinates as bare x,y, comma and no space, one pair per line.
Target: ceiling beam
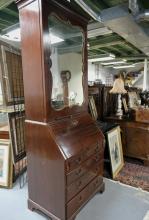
132,48
97,6
117,51
6,22
8,17
89,10
105,39
95,53
111,50
112,43
134,57
98,32
4,3
11,12
101,51
128,49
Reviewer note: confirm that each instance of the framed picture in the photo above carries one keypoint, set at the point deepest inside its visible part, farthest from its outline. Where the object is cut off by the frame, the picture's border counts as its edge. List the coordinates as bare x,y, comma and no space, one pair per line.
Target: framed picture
5,164
125,105
17,134
11,76
92,108
115,150
133,99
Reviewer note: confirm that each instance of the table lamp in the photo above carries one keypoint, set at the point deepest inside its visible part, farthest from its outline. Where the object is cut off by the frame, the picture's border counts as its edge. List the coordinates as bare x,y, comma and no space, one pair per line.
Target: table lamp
118,88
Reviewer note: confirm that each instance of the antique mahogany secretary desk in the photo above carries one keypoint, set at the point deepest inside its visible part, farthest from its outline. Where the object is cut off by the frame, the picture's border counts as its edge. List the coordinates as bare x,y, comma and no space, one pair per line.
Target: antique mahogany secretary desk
64,146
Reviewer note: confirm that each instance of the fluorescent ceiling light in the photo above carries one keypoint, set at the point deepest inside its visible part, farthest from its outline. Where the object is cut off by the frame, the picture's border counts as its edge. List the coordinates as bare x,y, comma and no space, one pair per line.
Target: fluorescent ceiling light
14,35
114,62
126,66
103,58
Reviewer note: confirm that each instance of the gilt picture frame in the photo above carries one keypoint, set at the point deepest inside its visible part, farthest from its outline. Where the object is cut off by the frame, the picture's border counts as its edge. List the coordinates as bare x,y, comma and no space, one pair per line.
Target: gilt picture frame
11,76
115,150
92,108
125,105
5,164
133,99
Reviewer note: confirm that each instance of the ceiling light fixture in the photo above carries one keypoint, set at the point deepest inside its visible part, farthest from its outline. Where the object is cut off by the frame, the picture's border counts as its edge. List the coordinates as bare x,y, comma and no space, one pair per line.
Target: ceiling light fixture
15,35
114,62
125,66
104,57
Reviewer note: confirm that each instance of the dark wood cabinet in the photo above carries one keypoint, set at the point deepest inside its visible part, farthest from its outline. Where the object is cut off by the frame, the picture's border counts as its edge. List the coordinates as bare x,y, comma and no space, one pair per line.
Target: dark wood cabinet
134,126
97,92
106,103
135,138
64,146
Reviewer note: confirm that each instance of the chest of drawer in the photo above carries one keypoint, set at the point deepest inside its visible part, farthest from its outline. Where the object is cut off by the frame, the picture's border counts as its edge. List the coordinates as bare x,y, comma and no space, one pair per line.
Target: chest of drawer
84,167
74,162
80,183
83,196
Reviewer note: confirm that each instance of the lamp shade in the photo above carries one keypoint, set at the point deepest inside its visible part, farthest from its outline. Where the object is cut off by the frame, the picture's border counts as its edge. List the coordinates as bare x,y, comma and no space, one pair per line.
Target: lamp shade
118,87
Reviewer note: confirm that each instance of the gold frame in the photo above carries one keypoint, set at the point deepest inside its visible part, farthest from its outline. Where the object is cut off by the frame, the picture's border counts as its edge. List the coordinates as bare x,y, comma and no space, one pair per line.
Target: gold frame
133,99
115,150
92,107
7,183
125,105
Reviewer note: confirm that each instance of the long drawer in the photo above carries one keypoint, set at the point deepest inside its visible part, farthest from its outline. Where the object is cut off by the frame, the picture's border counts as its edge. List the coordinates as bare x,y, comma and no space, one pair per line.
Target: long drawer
75,161
84,167
83,196
93,171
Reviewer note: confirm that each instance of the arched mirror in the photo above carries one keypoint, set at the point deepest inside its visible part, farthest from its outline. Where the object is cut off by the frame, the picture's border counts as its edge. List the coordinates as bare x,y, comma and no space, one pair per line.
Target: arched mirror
66,44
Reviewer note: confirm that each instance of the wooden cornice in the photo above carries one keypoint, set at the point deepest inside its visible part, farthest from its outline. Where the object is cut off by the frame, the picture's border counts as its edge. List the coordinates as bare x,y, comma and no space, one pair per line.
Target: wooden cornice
23,3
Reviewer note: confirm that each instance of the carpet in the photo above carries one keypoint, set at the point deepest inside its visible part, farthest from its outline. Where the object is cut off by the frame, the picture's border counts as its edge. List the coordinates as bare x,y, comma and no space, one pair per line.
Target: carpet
134,175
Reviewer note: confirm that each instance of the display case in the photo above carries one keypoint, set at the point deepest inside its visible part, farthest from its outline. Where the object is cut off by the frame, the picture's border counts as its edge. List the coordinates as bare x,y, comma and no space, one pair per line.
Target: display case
64,146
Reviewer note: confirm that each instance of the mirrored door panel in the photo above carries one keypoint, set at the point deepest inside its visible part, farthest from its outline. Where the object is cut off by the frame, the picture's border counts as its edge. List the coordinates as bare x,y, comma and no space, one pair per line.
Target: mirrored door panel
66,44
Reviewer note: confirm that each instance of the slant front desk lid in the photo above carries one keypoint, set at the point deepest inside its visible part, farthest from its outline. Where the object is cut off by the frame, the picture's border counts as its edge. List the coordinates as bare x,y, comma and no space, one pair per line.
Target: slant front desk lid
79,132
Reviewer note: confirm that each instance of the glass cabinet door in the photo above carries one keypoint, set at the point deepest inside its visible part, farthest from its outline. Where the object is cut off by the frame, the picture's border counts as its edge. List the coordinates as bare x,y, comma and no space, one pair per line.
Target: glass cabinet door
66,44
